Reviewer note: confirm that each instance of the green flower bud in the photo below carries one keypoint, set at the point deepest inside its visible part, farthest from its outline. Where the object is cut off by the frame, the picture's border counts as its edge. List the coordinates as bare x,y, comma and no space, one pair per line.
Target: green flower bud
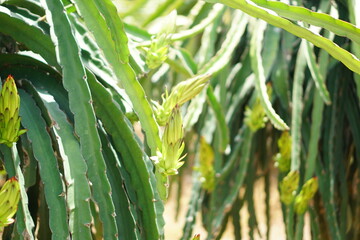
283,158
180,94
284,144
173,130
255,118
168,160
288,187
300,204
309,188
157,53
186,90
206,167
172,158
307,192
282,163
9,199
9,113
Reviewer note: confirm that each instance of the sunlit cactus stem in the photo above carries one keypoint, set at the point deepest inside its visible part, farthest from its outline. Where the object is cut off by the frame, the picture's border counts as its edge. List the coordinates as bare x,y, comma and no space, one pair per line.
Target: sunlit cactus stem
9,113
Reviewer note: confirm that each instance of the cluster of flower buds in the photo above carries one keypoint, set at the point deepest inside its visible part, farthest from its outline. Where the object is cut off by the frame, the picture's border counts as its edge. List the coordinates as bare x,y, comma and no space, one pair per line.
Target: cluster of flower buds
9,113
9,199
288,187
307,192
180,94
283,158
157,53
206,167
255,117
168,160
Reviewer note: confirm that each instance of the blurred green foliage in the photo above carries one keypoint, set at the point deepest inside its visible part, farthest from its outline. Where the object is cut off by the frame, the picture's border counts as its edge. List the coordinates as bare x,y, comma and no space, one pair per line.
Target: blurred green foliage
87,71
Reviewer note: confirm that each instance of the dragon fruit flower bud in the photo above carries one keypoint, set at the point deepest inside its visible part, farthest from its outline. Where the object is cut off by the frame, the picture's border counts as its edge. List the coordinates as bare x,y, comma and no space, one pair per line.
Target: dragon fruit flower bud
180,94
168,160
9,113
9,199
300,204
288,186
310,188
